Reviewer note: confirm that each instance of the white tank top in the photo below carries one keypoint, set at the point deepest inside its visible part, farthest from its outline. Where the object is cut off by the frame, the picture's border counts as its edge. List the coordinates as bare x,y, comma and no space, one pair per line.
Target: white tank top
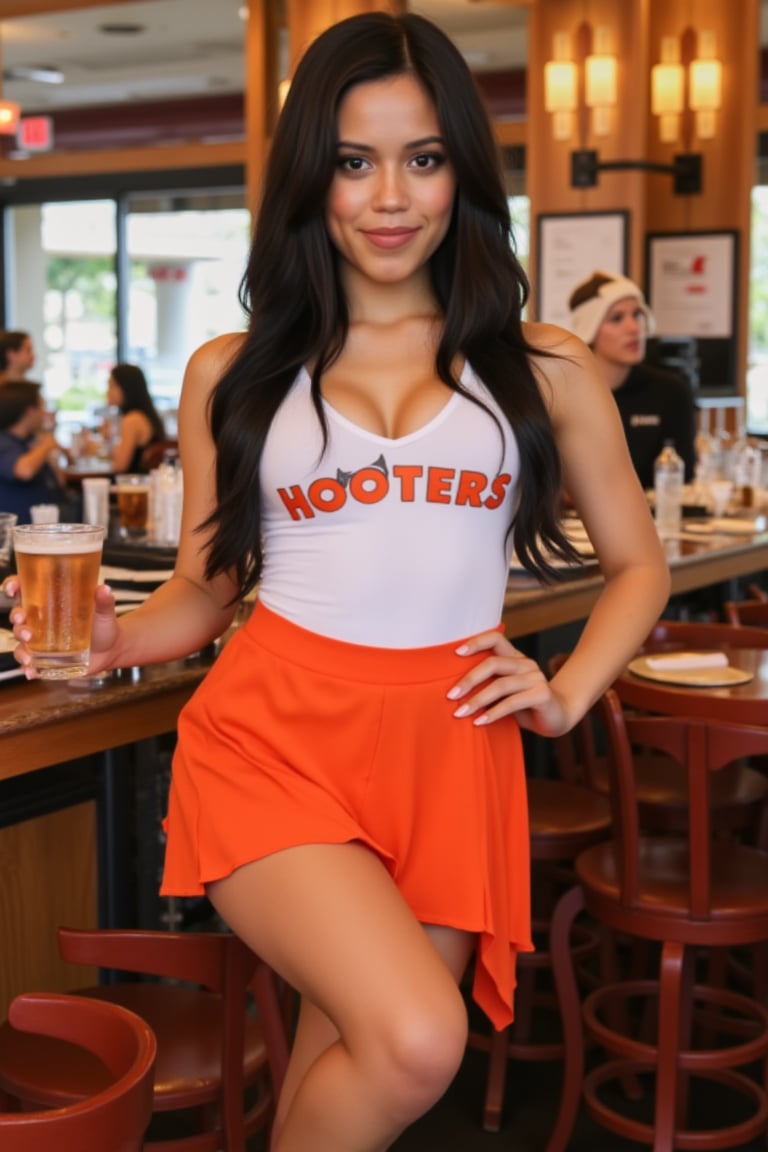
392,543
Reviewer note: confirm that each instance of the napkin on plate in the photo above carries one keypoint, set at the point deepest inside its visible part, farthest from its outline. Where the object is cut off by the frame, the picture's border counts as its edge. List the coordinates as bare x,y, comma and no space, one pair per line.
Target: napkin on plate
686,661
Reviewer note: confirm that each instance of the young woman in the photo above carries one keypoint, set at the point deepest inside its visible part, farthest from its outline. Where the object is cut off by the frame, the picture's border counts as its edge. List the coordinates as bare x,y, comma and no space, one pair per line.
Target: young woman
140,423
349,787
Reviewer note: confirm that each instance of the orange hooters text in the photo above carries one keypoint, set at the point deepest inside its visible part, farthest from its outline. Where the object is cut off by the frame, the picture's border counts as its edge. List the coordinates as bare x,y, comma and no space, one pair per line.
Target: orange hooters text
406,482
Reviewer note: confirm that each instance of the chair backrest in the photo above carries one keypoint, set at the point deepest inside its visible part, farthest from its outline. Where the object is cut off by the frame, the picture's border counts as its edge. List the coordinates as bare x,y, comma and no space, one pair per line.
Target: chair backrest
747,612
671,634
702,746
115,1119
218,961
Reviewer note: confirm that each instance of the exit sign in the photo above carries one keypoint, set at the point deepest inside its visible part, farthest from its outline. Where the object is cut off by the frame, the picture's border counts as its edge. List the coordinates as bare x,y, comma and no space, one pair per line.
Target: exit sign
35,134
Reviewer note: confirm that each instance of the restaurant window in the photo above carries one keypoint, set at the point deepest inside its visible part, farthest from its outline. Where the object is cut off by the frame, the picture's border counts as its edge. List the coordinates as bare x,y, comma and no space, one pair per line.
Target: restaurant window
186,256
145,277
62,289
757,370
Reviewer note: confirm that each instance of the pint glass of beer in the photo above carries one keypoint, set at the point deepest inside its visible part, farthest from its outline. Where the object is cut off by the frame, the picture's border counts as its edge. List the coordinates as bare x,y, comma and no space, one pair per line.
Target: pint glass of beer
58,566
133,504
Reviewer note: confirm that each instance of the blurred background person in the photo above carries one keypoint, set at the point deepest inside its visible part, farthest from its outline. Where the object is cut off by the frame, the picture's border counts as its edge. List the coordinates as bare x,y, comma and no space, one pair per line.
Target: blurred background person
17,355
29,454
610,314
141,425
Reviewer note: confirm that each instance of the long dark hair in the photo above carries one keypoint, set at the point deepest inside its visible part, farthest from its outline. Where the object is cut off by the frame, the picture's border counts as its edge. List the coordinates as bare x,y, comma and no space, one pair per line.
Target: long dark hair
298,313
136,398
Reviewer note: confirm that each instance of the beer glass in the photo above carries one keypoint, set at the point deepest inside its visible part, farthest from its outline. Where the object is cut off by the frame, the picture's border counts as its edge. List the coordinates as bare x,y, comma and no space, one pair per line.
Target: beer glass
133,504
58,567
7,523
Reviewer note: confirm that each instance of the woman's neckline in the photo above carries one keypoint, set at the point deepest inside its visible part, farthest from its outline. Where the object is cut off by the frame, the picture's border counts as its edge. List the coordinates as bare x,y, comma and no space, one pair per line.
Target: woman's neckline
464,377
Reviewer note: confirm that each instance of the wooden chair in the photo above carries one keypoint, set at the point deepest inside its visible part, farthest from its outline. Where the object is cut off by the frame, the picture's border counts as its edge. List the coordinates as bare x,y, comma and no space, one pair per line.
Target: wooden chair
563,819
115,1118
739,794
753,613
210,1048
684,893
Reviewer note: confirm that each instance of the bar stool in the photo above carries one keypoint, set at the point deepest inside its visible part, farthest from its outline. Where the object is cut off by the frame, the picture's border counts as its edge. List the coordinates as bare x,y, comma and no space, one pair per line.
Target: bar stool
563,819
116,1117
747,612
685,893
209,1047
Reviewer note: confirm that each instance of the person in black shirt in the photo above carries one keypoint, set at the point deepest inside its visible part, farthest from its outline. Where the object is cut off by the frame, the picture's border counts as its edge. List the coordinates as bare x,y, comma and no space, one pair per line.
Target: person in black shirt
610,314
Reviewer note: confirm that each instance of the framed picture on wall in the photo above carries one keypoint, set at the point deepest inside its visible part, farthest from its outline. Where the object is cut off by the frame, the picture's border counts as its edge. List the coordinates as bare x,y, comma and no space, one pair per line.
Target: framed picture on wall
570,247
692,284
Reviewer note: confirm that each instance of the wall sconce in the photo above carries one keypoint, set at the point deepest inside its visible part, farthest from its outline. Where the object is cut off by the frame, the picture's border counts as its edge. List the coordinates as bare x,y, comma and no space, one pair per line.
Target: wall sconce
704,83
561,83
705,86
561,87
697,76
601,83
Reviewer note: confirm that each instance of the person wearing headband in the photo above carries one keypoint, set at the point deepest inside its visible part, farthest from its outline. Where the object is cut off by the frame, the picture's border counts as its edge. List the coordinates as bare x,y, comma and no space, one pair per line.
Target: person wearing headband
610,314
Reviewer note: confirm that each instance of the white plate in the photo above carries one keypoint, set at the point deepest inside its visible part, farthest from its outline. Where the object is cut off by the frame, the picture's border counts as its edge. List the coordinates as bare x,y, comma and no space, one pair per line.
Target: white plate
691,677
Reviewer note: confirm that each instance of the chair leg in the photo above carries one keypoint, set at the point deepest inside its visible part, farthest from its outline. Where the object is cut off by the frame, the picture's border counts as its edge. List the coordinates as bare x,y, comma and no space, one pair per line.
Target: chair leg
498,1055
566,911
670,985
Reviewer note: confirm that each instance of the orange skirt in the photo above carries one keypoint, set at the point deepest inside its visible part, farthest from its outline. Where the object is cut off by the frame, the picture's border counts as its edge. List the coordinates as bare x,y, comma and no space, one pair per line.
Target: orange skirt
294,738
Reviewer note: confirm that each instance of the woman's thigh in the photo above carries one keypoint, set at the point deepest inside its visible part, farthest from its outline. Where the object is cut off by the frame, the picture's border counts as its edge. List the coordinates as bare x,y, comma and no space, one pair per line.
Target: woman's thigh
331,921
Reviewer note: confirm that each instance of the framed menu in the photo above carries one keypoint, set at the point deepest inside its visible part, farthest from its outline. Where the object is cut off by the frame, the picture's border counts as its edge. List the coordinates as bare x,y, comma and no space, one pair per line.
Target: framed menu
570,247
691,280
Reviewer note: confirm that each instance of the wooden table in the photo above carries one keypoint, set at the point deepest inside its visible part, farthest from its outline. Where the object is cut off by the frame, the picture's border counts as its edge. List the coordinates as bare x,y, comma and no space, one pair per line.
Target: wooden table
739,703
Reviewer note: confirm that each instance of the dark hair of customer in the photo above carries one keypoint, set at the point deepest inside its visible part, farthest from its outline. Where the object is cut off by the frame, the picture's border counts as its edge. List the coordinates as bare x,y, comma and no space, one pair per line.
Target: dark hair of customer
136,397
16,397
13,340
297,308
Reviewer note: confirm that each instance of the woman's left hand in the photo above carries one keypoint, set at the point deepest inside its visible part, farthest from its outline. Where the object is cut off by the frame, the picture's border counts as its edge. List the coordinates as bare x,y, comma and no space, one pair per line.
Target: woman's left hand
508,683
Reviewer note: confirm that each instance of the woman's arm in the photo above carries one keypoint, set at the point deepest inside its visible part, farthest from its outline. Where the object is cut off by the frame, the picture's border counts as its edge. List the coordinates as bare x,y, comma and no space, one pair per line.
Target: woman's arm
187,611
601,481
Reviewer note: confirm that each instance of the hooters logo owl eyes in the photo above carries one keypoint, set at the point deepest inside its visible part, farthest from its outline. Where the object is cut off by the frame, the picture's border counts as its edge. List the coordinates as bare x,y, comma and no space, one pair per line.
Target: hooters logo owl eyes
345,477
408,483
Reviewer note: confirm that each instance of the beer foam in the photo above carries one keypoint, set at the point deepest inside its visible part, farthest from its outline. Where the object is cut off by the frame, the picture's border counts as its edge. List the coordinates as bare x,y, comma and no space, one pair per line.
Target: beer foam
57,547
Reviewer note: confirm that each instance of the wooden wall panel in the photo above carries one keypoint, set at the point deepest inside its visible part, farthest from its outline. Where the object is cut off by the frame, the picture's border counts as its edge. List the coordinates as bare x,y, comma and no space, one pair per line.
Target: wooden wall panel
48,867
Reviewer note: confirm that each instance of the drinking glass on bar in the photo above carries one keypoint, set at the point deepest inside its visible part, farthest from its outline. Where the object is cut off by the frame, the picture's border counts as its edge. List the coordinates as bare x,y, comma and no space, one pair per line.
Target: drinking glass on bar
58,566
133,504
7,524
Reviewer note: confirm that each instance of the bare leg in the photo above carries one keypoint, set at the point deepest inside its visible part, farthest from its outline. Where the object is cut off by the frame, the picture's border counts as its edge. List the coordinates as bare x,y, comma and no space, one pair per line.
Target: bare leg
383,1027
315,1032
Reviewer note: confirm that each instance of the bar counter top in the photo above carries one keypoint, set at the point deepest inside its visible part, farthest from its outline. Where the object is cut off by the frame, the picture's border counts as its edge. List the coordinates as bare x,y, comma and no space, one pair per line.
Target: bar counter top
45,722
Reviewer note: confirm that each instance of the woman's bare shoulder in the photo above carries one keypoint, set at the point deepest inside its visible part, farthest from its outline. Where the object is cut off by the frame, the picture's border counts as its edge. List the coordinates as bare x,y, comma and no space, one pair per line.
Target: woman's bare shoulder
217,354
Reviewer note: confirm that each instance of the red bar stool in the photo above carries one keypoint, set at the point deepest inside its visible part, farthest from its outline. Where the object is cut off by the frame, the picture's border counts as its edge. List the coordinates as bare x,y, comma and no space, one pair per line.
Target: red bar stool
210,1049
685,894
114,1118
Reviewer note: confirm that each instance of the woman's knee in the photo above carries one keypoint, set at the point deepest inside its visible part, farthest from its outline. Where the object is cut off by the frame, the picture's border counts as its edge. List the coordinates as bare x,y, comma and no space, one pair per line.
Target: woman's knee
420,1051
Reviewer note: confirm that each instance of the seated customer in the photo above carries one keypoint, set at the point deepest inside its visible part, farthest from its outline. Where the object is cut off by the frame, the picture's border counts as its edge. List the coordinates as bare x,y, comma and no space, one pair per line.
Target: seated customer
141,425
610,314
17,355
27,447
